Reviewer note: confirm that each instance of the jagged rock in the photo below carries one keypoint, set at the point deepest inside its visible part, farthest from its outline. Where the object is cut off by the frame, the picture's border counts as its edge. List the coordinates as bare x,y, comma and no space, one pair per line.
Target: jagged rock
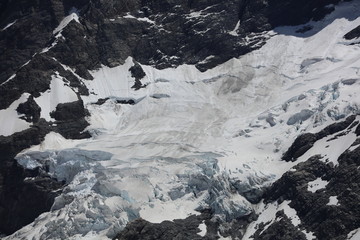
69,111
186,228
305,141
301,144
282,229
291,184
314,208
168,39
21,200
70,120
25,194
37,189
355,33
138,73
177,229
30,109
34,78
336,127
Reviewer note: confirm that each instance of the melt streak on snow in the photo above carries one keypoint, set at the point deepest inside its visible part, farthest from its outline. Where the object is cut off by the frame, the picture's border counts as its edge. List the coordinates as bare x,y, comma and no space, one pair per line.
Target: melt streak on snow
190,131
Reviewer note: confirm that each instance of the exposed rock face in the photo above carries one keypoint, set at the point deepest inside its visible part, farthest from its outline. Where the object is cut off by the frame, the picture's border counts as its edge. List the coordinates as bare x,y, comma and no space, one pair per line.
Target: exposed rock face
30,109
306,141
282,229
180,229
355,33
329,212
164,34
188,228
24,194
71,120
138,73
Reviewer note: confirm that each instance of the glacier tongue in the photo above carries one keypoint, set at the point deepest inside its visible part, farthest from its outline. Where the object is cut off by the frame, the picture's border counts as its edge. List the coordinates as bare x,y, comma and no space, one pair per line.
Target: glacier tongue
217,136
104,193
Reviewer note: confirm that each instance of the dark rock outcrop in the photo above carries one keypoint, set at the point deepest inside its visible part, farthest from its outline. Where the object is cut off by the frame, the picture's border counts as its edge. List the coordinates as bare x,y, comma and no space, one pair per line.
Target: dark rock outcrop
187,228
30,109
159,33
281,229
70,120
177,229
355,33
24,194
138,73
305,141
314,208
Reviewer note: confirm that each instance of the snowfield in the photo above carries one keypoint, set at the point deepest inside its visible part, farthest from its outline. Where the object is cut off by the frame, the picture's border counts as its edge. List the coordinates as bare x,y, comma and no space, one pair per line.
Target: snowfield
192,136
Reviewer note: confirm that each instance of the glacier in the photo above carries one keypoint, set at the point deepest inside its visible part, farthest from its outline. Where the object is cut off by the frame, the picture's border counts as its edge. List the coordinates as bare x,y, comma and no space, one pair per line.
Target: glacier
196,140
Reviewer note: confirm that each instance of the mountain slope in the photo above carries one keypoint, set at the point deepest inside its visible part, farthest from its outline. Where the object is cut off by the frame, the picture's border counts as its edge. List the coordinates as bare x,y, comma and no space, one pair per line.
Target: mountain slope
133,126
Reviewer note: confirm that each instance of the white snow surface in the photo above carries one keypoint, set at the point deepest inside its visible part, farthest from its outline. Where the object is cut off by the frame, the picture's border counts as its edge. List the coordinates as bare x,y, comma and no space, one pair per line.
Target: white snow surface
193,133
354,235
59,92
9,118
72,16
203,229
9,79
309,235
8,25
267,215
233,32
333,201
317,184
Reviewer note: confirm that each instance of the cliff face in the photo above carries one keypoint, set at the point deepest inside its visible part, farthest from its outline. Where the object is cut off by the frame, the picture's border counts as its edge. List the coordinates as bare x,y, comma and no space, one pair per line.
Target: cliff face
159,33
66,64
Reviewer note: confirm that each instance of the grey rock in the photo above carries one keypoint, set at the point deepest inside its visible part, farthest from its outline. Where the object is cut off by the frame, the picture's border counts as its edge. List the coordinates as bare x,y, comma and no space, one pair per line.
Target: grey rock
355,33
305,141
325,221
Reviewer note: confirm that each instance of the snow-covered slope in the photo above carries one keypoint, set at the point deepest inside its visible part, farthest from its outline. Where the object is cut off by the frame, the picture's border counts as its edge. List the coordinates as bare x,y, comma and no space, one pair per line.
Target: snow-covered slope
194,140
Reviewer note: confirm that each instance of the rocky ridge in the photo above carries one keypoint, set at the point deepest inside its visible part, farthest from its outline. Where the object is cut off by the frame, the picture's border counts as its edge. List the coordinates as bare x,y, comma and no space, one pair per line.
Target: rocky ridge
325,197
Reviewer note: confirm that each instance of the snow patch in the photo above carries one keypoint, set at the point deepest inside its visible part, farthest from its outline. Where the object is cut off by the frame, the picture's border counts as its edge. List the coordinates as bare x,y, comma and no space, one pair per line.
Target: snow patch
317,184
354,235
234,32
53,141
59,92
143,19
333,201
309,235
112,82
331,148
203,229
9,118
9,79
291,213
267,215
9,25
72,16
